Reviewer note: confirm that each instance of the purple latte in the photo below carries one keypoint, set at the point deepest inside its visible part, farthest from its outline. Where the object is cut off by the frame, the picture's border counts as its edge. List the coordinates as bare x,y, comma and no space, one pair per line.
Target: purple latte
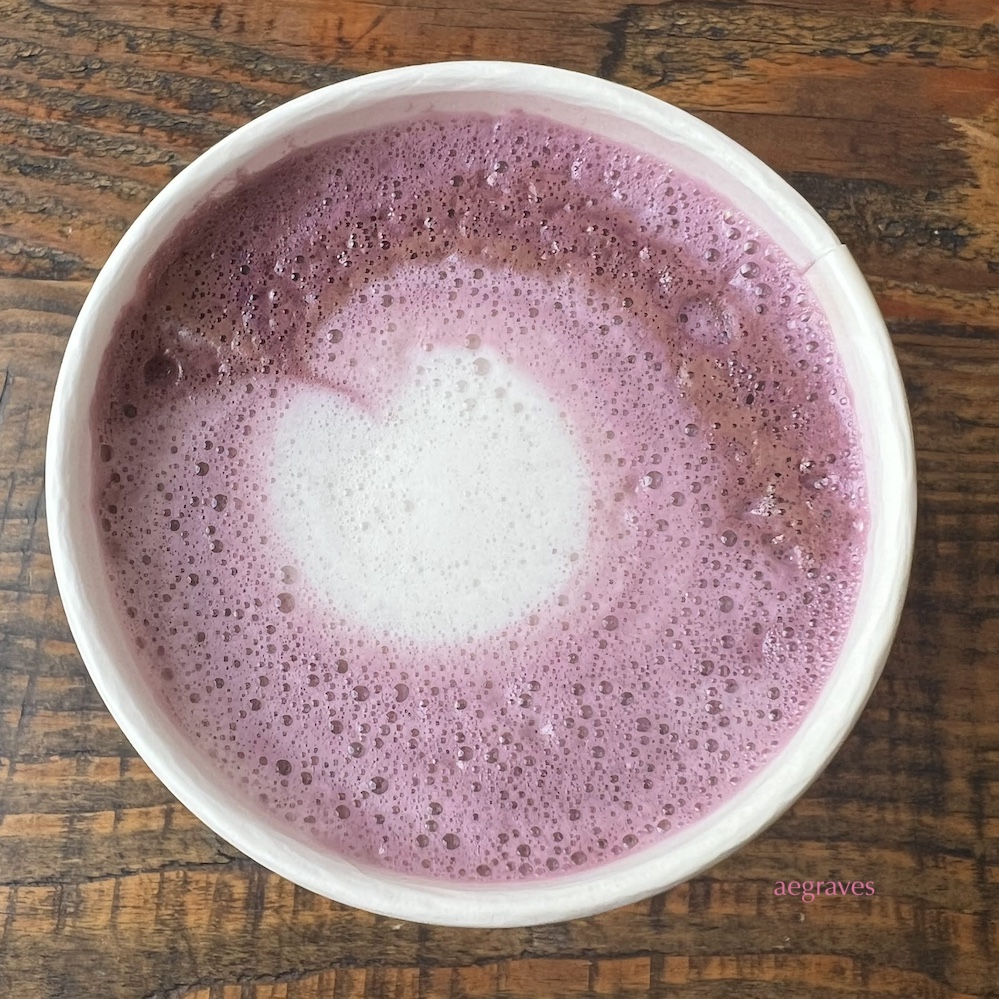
485,498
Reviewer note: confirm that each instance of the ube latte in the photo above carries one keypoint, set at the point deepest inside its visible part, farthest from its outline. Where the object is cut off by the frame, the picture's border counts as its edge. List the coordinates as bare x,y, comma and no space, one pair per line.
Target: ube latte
485,498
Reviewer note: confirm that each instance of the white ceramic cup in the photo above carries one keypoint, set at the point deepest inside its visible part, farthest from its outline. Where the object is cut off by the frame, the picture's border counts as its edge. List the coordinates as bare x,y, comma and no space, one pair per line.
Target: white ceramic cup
659,130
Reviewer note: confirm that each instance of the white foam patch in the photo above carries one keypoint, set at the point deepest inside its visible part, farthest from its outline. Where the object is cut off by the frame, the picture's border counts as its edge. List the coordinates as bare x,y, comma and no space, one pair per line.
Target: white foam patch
453,513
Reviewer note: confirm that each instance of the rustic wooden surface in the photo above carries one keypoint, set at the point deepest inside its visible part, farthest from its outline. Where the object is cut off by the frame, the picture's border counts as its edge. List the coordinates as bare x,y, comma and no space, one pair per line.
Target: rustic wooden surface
885,114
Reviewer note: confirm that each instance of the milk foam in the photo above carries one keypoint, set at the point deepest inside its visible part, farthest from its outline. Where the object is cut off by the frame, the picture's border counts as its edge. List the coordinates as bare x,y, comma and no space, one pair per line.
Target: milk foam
684,480
451,513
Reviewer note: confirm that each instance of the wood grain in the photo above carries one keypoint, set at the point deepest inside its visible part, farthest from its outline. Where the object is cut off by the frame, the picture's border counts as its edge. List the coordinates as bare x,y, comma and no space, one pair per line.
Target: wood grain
885,114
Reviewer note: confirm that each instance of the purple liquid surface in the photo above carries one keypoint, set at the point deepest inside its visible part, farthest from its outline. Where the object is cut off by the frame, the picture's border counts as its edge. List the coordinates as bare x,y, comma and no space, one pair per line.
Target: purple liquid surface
723,520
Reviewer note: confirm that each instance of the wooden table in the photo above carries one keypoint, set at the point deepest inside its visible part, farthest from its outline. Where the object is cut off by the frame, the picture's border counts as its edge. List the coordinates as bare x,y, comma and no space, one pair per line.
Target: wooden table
885,115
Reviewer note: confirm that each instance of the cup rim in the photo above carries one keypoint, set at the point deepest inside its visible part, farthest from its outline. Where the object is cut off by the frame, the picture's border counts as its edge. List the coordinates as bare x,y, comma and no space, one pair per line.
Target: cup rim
889,460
